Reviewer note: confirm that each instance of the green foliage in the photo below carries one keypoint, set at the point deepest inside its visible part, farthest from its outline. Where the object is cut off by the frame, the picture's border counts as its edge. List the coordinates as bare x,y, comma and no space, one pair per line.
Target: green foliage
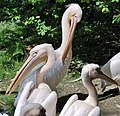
102,6
41,28
116,18
8,108
115,1
60,1
8,67
10,42
33,1
87,1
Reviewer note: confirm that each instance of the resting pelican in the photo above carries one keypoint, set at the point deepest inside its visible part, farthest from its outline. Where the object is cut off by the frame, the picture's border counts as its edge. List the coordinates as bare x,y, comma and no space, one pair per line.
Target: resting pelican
42,101
63,56
88,107
37,54
112,69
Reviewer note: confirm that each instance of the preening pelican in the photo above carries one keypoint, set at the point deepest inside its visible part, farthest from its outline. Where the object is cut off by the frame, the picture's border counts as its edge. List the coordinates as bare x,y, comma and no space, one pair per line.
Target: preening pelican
63,56
88,107
112,69
42,101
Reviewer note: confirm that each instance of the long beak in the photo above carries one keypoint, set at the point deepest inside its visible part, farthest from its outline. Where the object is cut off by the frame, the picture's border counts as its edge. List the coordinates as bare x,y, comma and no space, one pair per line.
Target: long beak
105,77
72,29
30,63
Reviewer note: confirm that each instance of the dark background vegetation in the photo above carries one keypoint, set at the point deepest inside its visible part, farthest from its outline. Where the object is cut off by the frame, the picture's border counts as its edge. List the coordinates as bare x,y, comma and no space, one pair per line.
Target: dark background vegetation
26,23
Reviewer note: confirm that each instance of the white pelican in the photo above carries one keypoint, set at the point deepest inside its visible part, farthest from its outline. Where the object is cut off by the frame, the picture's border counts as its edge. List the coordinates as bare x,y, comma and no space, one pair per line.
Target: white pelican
37,54
63,56
87,107
112,69
42,101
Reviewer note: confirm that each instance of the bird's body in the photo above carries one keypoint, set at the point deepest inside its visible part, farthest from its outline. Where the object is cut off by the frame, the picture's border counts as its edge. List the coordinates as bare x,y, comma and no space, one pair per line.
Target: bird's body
41,99
53,76
112,69
80,108
87,107
41,69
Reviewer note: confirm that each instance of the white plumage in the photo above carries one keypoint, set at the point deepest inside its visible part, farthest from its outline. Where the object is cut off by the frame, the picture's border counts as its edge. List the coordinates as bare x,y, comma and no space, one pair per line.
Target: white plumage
41,98
112,69
87,107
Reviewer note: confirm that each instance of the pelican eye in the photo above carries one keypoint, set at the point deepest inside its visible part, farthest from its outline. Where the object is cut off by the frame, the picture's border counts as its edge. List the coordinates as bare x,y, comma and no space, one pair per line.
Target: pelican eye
34,54
75,17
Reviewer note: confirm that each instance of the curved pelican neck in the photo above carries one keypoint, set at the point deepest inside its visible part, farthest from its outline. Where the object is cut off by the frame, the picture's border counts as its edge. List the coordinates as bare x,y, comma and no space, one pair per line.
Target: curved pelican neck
92,93
49,64
50,60
65,29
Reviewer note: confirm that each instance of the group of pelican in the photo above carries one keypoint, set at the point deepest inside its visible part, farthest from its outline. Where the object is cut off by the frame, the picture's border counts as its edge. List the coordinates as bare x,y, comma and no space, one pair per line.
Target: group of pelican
44,70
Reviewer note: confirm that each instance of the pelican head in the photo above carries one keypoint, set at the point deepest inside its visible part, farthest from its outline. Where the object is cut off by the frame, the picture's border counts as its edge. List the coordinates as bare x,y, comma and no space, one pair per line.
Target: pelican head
37,55
93,71
73,14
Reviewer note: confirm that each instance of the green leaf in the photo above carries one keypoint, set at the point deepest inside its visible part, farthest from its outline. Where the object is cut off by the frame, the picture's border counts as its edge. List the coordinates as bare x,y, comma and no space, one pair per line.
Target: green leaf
37,17
87,29
60,1
88,1
115,1
116,18
97,3
105,9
